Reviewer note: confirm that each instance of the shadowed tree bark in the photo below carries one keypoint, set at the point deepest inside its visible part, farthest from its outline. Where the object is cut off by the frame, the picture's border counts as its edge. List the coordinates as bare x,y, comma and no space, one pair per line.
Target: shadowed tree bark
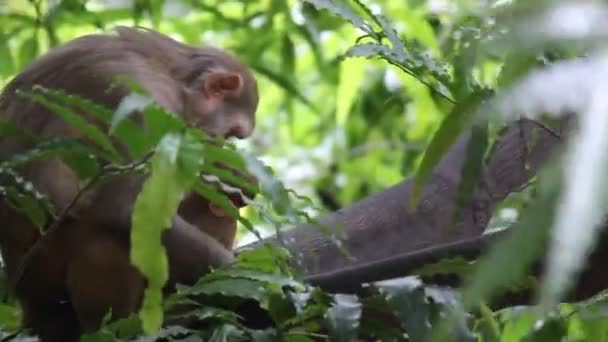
382,226
388,241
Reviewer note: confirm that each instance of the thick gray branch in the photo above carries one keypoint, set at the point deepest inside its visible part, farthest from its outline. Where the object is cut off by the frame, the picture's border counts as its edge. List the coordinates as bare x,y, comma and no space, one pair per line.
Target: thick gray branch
382,225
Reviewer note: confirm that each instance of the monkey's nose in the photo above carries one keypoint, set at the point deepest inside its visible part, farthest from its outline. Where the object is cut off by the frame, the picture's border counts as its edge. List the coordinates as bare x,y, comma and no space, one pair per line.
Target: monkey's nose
239,131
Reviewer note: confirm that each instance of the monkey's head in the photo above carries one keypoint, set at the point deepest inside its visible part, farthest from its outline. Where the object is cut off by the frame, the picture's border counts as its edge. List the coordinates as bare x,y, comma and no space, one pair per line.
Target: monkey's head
211,88
221,95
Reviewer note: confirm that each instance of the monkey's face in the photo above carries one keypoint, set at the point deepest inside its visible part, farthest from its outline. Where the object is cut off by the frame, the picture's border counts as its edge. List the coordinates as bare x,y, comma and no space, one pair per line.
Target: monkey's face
221,104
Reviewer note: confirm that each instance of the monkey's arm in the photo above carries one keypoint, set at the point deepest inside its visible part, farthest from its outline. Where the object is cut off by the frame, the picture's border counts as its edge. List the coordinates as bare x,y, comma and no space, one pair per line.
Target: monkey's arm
199,212
192,252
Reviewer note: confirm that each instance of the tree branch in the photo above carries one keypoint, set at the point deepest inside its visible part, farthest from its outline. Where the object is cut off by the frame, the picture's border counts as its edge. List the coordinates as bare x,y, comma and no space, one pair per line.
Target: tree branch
382,226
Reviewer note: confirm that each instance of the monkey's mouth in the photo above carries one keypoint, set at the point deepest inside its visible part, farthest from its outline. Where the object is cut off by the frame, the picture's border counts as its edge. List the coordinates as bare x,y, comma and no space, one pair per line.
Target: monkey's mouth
235,199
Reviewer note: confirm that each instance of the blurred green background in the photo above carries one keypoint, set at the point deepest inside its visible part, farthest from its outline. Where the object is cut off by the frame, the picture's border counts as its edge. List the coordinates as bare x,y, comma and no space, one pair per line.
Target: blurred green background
334,130
337,130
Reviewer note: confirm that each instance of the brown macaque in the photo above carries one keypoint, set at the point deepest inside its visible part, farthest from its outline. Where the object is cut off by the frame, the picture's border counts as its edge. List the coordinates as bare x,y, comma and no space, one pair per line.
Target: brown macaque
80,272
72,270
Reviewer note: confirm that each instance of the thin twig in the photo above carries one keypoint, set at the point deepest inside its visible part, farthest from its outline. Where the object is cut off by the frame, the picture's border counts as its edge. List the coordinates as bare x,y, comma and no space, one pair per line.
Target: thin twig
524,145
547,128
419,79
108,170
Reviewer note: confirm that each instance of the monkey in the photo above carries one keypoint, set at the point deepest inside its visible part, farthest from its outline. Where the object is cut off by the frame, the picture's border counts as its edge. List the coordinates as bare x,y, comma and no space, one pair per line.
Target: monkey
81,272
65,289
208,87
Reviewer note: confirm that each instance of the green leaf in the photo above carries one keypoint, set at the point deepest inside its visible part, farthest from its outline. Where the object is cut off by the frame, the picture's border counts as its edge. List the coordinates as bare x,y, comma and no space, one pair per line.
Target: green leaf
343,318
287,56
127,131
9,129
129,104
271,278
514,254
226,333
28,50
24,19
77,121
343,11
417,63
206,313
552,329
154,208
449,131
280,308
231,159
218,198
267,335
518,324
516,66
10,317
173,331
595,329
156,11
464,63
270,187
53,147
393,37
24,196
160,123
85,165
224,154
106,16
310,34
27,204
487,325
472,168
263,258
368,50
307,316
236,287
73,151
7,66
352,73
408,299
72,5
115,330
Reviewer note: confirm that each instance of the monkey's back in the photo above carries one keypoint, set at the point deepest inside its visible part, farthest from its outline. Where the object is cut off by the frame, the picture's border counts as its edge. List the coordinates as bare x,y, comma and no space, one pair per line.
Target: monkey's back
92,63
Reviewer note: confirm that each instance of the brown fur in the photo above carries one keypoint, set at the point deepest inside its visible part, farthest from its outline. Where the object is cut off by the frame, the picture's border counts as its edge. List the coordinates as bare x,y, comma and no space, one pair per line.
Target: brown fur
78,273
85,261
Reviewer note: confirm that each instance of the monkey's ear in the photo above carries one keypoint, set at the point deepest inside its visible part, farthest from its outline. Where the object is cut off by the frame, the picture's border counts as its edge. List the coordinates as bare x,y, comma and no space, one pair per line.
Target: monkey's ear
223,83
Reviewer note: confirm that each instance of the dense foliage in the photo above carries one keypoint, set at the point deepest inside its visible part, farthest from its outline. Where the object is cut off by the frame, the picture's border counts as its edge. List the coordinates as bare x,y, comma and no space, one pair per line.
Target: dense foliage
356,96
